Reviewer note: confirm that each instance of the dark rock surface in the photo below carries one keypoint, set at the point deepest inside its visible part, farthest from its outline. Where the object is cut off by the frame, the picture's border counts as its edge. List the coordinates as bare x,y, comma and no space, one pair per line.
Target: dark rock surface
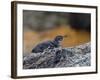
59,57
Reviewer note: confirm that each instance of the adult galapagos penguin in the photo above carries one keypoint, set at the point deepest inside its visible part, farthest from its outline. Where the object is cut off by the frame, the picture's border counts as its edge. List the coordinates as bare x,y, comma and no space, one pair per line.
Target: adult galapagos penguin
48,44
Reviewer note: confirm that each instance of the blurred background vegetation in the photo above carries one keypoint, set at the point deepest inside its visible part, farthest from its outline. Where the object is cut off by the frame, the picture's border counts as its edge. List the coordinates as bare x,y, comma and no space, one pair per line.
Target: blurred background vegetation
41,26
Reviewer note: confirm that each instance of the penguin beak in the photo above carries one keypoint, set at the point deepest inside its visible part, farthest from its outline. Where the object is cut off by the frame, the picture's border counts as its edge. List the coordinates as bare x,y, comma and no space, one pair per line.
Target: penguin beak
65,36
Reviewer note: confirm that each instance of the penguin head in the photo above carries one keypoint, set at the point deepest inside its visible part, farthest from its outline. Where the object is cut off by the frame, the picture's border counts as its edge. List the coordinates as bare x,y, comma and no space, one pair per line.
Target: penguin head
58,38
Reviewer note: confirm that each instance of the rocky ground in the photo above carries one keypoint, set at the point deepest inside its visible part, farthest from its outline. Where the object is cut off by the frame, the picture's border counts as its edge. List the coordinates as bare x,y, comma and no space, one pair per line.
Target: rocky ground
59,57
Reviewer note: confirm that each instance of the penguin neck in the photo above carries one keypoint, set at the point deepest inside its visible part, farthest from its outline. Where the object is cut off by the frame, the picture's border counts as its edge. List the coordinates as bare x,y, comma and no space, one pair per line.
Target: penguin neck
56,42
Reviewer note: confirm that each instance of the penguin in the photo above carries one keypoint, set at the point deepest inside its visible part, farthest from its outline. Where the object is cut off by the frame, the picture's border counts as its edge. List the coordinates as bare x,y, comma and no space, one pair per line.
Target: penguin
48,44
